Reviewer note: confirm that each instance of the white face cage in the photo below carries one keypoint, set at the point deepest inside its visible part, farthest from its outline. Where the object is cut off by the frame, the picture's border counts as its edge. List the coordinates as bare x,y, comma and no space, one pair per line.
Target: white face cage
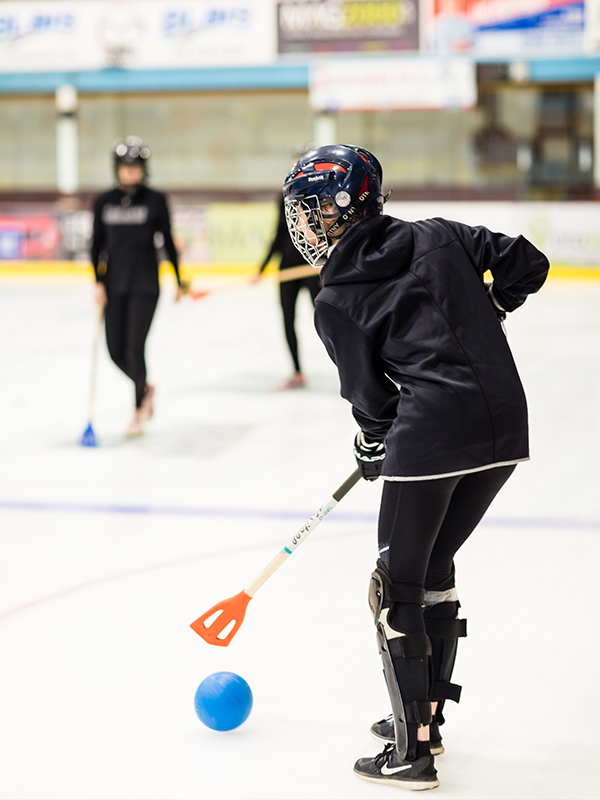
305,224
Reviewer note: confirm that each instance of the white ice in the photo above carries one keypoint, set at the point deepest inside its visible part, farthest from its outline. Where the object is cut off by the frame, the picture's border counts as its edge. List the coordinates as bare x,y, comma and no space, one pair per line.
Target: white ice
109,553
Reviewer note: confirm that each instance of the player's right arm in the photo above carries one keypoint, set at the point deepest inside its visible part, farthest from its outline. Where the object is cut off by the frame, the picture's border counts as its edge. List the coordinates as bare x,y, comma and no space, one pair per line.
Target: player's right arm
363,382
98,246
98,252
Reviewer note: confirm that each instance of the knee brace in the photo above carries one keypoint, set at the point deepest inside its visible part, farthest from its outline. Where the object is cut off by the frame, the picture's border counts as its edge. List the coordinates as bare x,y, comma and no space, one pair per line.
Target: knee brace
406,660
444,630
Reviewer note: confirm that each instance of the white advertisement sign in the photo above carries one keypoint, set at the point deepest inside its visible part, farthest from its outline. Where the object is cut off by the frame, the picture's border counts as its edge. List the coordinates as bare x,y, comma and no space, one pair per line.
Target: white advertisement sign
506,28
592,25
48,36
388,84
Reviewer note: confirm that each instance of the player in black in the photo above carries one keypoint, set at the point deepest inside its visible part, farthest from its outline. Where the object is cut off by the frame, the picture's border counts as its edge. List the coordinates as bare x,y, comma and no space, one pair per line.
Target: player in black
294,275
131,222
418,340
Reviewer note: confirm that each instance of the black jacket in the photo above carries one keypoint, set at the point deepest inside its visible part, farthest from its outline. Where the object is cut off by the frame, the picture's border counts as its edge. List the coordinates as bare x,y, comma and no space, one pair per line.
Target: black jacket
404,305
125,225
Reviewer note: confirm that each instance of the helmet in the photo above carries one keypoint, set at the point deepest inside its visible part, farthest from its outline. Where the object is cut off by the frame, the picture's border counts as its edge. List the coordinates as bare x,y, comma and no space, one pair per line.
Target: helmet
346,180
131,150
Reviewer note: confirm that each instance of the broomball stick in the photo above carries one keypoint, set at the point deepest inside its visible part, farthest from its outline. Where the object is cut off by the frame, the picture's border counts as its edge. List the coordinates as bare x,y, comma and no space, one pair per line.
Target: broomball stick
220,623
88,439
283,276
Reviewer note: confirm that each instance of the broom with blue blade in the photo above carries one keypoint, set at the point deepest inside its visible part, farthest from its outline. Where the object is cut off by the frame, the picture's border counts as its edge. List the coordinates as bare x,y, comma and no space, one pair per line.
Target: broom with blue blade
89,437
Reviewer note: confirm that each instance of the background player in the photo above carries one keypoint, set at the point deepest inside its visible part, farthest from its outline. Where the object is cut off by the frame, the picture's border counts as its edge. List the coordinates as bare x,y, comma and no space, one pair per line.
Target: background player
290,287
417,338
127,220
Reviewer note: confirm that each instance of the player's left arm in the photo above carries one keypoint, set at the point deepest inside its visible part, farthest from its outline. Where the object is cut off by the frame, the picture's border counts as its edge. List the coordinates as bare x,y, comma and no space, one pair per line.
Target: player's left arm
517,266
164,227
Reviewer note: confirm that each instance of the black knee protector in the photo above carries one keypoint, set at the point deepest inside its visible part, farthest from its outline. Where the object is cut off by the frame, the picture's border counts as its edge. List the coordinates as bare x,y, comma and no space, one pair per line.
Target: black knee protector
406,660
444,630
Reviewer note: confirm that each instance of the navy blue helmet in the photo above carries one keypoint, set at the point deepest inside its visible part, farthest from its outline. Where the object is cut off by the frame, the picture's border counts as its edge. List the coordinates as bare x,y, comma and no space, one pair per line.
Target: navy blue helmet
325,192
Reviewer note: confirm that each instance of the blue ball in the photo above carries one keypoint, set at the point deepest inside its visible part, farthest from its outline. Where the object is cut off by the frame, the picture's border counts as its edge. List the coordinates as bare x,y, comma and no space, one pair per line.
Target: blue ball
223,701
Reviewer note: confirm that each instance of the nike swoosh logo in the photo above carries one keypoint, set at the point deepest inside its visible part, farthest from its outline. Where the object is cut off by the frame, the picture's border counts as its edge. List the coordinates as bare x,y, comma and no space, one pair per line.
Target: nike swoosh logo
392,770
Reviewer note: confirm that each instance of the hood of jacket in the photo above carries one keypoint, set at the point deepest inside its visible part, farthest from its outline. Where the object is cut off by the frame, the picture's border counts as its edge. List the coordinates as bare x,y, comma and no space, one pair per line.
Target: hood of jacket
374,249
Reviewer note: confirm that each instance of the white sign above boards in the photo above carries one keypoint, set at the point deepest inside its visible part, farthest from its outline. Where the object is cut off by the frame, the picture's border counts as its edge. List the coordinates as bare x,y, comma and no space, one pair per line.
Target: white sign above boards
58,35
393,84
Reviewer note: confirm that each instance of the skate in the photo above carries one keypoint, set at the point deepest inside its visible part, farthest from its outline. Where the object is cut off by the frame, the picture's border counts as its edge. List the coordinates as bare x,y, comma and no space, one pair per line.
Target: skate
389,768
383,731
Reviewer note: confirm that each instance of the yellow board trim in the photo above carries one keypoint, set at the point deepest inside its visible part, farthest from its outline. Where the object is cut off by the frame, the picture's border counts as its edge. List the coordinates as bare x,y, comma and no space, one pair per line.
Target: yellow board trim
83,269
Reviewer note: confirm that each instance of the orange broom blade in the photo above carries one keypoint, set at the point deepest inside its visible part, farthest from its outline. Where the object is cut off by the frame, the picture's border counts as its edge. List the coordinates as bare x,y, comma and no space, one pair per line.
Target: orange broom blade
220,623
196,294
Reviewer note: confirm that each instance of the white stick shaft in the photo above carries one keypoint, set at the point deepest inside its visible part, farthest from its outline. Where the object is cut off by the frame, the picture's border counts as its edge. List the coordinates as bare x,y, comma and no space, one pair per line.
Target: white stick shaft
287,551
95,362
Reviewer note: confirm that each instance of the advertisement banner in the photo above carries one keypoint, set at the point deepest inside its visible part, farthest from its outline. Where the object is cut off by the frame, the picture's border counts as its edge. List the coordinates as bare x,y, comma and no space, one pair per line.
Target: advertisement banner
592,25
412,83
204,233
39,36
29,236
328,26
213,234
506,28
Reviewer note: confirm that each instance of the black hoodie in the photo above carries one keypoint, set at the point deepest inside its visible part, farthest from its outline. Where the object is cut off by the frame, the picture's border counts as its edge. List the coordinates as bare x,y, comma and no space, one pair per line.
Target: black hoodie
125,224
421,354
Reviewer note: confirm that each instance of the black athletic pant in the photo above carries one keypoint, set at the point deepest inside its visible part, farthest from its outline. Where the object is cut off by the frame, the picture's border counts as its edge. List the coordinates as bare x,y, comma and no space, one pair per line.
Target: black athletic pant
422,524
288,295
128,319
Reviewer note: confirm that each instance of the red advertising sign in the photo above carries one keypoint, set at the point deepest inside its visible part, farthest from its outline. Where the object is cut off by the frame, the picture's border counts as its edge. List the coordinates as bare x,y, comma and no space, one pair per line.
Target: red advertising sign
23,237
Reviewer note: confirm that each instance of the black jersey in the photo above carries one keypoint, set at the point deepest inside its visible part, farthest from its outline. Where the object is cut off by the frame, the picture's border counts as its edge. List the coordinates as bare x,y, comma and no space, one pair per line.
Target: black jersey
125,225
421,354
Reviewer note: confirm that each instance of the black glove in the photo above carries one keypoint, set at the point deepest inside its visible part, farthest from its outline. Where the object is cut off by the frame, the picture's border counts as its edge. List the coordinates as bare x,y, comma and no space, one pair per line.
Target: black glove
369,457
498,310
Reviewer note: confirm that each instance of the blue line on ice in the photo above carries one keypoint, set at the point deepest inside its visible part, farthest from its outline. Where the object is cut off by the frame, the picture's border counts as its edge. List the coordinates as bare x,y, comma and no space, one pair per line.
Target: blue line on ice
554,523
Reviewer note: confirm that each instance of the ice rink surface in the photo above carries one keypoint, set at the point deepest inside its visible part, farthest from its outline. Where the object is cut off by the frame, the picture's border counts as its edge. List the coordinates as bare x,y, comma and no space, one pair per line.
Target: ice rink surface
108,554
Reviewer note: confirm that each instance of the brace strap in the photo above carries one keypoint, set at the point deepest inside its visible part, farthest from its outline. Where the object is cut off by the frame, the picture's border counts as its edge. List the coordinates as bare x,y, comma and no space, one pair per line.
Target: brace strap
444,690
411,645
445,628
419,713
404,593
398,592
433,597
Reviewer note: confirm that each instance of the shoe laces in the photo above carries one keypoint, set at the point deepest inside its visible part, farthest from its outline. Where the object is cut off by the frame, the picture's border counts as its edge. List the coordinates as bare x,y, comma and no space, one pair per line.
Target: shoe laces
385,755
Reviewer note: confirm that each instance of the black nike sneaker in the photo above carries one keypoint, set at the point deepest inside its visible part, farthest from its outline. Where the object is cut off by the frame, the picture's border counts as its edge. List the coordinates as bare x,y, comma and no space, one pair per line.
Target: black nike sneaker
388,768
383,731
